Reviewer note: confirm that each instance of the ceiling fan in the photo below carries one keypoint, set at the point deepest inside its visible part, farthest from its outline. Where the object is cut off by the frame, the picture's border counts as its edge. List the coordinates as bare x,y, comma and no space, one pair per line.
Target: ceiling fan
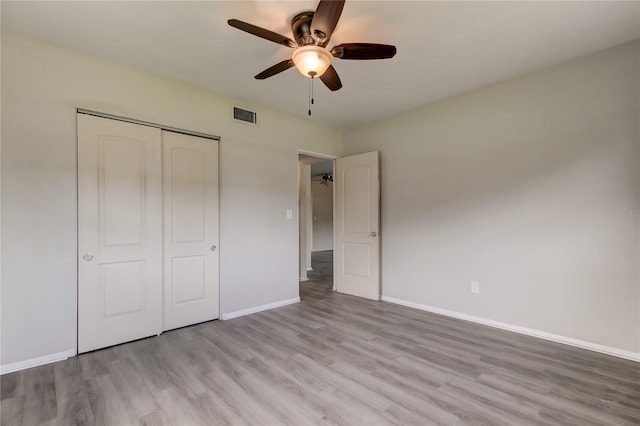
312,32
324,179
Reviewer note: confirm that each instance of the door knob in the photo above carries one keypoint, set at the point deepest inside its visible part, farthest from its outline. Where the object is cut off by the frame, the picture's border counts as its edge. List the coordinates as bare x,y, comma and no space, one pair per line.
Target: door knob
213,248
373,234
88,257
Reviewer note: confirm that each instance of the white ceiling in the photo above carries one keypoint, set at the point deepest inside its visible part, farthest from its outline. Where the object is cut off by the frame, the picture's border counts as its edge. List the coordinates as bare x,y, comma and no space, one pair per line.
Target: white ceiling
444,48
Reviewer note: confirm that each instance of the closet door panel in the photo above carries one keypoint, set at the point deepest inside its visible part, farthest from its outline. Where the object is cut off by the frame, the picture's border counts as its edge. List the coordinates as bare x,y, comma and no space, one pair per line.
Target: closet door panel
119,232
190,193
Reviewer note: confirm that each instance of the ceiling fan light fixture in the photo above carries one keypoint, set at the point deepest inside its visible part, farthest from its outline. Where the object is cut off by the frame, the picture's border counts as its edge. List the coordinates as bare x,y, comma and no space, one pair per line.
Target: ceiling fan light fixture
312,32
312,61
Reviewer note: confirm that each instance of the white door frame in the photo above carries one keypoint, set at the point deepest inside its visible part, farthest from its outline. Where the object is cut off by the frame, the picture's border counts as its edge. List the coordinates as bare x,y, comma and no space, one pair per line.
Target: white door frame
327,157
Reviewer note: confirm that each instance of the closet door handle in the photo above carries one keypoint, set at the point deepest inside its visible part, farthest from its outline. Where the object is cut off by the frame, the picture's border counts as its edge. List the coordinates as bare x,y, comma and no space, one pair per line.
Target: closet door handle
373,234
213,247
88,257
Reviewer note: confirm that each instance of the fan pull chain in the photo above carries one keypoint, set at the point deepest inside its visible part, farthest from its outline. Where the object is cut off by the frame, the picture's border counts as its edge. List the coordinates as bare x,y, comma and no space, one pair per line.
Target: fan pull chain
311,100
309,93
310,96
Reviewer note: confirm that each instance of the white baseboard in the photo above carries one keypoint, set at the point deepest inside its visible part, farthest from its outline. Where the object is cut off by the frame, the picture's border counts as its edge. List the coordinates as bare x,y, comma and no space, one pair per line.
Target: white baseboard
248,311
34,362
620,353
303,279
309,268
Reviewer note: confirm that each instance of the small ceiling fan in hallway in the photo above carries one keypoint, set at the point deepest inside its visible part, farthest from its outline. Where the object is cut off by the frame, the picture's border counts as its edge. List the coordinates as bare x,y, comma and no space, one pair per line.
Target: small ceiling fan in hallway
323,178
312,32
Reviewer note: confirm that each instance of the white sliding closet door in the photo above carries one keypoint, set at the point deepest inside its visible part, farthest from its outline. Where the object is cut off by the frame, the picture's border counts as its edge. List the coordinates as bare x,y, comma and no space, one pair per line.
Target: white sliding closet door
119,232
147,231
190,186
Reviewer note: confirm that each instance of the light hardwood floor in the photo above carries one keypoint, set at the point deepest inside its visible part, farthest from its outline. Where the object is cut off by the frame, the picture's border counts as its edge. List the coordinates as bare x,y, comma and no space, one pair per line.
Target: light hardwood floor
332,359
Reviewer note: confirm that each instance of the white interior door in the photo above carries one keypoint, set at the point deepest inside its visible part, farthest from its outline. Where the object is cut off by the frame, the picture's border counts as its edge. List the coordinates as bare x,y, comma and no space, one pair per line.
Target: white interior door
119,232
357,225
190,186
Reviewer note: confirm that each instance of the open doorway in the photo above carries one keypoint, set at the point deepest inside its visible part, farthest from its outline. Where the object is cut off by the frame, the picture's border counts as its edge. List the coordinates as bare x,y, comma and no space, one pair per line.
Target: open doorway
315,195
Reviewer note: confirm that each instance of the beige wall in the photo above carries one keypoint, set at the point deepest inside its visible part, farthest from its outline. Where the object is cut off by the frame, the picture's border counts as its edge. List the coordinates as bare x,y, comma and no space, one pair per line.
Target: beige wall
518,186
322,216
42,85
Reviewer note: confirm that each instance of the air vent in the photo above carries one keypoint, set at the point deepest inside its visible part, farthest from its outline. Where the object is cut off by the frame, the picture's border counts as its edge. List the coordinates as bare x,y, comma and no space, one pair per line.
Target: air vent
245,115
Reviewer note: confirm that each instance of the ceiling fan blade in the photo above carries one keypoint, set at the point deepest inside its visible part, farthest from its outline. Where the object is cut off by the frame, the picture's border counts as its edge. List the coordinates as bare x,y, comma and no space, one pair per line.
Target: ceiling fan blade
330,79
325,20
363,51
277,68
262,33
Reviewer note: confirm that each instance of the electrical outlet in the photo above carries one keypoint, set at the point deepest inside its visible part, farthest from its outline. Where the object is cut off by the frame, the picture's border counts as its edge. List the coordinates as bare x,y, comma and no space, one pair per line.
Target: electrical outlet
475,287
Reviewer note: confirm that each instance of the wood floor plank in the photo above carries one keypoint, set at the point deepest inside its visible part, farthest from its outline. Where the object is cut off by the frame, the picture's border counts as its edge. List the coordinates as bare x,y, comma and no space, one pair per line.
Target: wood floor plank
12,410
395,394
136,395
9,386
573,412
74,397
332,359
254,410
